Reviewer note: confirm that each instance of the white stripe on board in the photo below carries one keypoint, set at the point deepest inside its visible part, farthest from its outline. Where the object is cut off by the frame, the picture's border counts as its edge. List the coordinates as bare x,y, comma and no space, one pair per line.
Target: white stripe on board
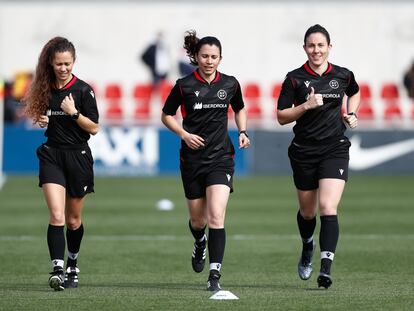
237,237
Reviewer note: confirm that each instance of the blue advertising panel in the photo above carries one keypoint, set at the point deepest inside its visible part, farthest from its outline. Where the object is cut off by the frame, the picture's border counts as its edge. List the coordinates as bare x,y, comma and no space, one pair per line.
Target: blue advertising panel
121,151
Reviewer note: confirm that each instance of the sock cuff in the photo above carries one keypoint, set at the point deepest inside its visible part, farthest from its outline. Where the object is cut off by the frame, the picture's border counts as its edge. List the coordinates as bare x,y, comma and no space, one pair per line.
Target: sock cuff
327,255
79,229
329,218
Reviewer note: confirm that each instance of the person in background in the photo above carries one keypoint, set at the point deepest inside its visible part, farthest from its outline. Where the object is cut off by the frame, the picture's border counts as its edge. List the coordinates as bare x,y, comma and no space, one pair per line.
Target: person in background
206,155
409,82
312,96
66,106
157,58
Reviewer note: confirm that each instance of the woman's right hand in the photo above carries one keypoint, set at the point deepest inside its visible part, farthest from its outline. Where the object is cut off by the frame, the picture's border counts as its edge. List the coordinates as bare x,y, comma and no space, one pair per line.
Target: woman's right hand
43,121
193,141
314,100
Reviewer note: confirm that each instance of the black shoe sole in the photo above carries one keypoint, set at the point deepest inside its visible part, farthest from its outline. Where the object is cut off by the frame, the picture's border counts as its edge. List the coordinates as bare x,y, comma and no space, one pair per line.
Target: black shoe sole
198,267
324,280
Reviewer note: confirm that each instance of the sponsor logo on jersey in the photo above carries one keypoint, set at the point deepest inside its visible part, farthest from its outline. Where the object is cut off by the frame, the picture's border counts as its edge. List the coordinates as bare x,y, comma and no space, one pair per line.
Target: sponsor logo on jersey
222,94
331,96
50,112
307,83
92,93
334,84
198,106
196,93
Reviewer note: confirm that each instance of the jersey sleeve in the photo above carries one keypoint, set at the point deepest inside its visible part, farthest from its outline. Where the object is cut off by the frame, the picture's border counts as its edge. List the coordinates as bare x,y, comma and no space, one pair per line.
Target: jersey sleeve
237,102
353,86
287,94
89,107
173,101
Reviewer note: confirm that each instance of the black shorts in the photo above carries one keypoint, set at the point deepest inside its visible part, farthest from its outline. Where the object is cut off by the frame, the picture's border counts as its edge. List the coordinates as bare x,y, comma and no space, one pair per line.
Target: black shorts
196,178
70,167
310,163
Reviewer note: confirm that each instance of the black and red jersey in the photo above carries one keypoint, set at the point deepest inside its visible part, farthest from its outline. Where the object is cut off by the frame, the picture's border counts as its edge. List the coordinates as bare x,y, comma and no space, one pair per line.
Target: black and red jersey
204,107
62,130
324,122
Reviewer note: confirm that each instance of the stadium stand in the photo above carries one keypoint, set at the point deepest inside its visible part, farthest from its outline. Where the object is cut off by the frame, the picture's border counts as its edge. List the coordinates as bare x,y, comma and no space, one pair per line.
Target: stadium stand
142,97
252,97
391,98
113,97
366,111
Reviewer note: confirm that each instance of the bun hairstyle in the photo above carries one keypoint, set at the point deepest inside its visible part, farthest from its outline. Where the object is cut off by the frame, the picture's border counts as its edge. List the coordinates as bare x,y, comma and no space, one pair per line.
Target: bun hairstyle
192,44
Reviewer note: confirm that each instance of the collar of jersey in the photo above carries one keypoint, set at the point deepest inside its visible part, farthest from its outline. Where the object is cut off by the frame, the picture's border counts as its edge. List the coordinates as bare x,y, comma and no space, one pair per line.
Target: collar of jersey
67,85
199,78
313,73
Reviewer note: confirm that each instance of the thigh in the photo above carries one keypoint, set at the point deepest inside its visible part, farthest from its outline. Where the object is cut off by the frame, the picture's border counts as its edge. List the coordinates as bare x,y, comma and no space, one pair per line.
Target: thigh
74,207
330,193
55,199
308,200
197,211
217,198
221,176
79,172
50,166
304,161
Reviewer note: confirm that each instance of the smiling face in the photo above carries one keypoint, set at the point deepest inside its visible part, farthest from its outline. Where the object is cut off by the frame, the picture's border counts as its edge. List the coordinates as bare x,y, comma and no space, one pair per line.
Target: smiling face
317,49
62,67
208,59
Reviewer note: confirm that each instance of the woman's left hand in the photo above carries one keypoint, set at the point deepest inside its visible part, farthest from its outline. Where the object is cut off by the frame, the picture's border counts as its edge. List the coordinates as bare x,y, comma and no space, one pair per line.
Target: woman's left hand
244,141
351,120
68,105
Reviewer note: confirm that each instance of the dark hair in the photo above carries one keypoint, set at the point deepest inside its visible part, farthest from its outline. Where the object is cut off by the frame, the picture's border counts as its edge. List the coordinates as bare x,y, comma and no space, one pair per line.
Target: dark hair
192,44
317,28
37,100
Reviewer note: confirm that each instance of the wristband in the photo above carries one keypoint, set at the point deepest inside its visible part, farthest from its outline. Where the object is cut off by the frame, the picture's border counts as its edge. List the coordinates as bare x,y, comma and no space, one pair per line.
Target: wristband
353,114
75,116
244,132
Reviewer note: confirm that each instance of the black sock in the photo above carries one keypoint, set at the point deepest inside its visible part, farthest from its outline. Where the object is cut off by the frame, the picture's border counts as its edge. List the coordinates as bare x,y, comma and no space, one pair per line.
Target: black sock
199,235
74,239
328,239
306,229
216,245
56,244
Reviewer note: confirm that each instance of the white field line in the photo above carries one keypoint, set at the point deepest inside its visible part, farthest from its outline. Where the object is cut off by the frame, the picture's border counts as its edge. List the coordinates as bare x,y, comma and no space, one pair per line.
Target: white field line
237,237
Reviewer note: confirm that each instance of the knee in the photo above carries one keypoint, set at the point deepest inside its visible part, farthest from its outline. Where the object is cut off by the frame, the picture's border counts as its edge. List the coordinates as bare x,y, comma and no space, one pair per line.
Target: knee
216,221
57,218
198,223
73,223
327,208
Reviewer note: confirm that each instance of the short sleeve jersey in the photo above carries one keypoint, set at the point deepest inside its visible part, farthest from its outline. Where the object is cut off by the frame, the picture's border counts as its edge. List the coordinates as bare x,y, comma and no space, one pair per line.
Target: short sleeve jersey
324,122
62,130
204,108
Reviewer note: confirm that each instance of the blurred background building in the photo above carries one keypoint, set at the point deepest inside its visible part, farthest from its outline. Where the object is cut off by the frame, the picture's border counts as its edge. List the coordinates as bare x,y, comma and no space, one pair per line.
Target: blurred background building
262,41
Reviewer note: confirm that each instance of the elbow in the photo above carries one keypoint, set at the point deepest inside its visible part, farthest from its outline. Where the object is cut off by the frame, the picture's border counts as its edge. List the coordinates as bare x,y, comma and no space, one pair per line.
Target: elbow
281,120
94,130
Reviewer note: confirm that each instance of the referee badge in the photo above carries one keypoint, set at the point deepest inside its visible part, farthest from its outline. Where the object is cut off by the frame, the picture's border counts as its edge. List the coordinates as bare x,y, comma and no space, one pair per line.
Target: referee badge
222,94
334,84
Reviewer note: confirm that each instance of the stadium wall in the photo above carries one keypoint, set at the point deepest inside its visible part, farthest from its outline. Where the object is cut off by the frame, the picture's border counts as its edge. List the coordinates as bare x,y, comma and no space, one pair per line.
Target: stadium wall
134,151
262,41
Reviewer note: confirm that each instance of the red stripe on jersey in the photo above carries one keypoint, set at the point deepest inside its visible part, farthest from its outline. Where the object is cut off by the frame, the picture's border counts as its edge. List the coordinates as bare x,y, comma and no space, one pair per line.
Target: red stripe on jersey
309,69
70,83
198,77
329,69
217,77
183,111
313,73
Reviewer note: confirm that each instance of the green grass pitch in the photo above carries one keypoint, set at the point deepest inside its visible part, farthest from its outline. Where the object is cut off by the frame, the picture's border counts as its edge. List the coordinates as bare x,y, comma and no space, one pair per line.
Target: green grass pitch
134,257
